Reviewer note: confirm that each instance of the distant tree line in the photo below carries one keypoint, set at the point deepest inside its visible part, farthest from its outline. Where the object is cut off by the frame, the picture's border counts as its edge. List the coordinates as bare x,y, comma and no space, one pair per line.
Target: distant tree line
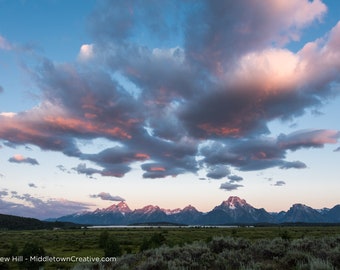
9,222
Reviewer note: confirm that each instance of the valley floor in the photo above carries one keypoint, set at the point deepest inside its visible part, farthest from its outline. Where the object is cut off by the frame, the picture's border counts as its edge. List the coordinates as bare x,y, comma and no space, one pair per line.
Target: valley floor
140,248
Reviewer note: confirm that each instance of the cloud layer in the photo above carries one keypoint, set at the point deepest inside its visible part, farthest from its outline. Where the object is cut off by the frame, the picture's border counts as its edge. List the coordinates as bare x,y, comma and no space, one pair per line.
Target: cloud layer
29,206
195,91
107,197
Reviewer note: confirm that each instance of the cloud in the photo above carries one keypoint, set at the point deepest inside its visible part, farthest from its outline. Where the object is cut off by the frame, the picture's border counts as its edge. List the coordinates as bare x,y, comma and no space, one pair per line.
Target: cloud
114,170
86,52
218,172
279,183
337,149
1,89
7,114
107,197
293,164
235,178
4,44
3,193
28,206
32,185
308,138
10,144
82,169
230,186
21,159
61,168
229,30
265,152
195,91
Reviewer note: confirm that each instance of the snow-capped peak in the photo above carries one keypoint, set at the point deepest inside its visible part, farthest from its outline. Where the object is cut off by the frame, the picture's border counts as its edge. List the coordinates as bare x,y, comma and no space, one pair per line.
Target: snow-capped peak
120,207
234,202
149,209
171,211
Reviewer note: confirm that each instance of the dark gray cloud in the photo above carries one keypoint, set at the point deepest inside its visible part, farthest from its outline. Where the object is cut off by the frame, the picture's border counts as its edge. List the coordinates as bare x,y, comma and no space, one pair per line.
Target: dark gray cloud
107,197
218,172
114,170
32,185
235,178
22,159
308,138
195,91
3,193
230,186
337,149
279,183
293,164
61,168
10,144
83,169
265,152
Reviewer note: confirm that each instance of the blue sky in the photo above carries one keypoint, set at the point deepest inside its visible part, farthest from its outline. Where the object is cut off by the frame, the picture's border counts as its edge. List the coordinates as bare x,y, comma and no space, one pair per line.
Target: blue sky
168,103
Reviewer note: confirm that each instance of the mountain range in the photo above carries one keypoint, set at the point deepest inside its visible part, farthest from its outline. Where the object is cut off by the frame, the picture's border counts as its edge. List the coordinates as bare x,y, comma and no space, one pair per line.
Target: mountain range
232,211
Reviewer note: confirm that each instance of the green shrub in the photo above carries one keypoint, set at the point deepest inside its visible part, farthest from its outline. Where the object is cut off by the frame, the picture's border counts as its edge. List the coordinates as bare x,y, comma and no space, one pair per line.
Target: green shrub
30,250
103,237
294,258
156,240
112,248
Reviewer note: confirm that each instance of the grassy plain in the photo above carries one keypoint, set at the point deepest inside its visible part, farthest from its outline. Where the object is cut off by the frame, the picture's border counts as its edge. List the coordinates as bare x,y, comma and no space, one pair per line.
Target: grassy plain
85,242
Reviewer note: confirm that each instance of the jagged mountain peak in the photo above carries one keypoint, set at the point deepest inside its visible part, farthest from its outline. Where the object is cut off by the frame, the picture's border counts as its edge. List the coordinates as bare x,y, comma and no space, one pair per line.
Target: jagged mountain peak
149,208
120,207
233,210
302,213
299,205
189,208
234,202
171,211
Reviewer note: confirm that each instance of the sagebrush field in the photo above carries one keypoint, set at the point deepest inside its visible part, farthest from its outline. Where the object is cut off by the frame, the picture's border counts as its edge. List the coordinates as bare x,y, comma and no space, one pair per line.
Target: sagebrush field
182,248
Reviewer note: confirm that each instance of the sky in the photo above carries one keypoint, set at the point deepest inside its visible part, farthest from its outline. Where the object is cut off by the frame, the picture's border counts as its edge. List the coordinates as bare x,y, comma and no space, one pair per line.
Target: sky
168,103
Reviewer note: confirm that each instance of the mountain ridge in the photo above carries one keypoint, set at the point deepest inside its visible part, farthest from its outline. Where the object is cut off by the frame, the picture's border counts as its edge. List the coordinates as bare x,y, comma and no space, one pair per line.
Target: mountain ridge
234,210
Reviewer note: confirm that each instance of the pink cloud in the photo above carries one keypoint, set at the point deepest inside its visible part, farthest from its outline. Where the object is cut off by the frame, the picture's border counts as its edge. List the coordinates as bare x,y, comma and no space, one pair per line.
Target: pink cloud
21,159
225,85
308,138
4,44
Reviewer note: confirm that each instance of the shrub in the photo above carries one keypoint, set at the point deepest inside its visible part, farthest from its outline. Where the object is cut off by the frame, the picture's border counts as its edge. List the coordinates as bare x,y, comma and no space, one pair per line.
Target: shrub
112,248
265,249
294,258
318,264
30,250
103,237
155,241
219,244
285,235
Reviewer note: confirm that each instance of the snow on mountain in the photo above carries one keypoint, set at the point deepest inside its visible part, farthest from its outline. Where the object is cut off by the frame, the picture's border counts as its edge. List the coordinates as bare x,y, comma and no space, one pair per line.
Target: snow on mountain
171,211
232,211
121,207
233,203
148,209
